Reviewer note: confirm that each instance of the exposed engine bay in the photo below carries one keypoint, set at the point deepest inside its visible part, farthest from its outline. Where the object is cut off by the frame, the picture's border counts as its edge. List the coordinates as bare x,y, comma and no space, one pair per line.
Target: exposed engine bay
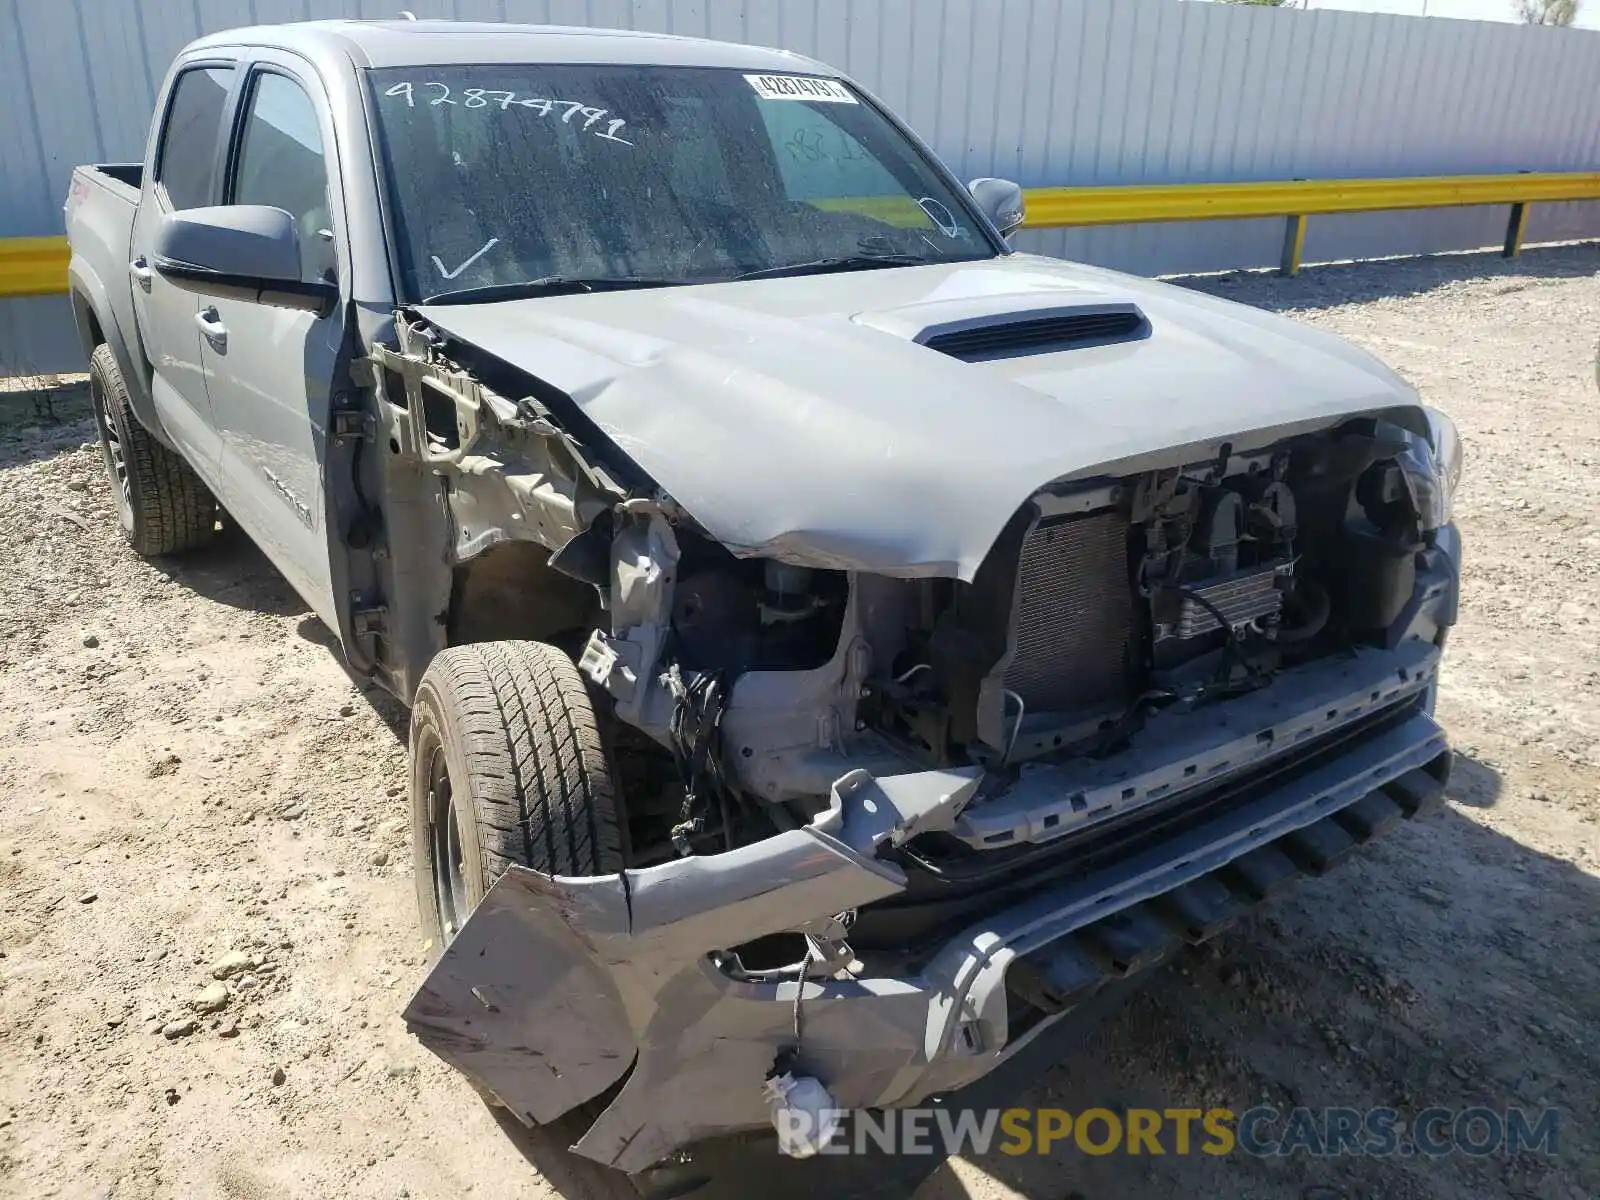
757,684
1106,606
1100,607
1105,603
837,644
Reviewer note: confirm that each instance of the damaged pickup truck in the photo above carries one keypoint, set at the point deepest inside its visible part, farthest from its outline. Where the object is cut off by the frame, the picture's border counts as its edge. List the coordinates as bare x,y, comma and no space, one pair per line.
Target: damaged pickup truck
837,644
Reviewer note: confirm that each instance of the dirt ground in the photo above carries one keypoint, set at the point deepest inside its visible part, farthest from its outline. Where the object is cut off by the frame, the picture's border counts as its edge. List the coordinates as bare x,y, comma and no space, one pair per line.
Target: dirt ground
186,770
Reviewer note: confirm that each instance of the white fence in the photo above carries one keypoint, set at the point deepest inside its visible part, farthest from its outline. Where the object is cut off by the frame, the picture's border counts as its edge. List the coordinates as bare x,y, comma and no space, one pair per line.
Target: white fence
1044,91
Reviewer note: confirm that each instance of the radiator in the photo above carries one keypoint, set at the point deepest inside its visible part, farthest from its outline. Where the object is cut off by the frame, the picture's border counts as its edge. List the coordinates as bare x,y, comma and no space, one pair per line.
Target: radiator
1075,614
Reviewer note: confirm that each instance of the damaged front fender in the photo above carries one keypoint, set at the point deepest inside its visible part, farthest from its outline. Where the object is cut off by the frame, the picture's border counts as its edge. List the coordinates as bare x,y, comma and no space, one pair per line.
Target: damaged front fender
486,1016
556,986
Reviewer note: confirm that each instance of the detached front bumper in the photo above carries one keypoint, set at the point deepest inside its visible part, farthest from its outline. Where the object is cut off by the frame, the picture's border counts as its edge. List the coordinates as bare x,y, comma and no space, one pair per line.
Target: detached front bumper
555,987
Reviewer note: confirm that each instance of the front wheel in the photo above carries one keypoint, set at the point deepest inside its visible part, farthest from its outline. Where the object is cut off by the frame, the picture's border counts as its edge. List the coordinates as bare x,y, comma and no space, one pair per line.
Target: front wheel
162,505
507,767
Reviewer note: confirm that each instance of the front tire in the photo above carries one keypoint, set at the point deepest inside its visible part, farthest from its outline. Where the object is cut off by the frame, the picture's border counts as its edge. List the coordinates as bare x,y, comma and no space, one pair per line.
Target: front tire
507,768
161,503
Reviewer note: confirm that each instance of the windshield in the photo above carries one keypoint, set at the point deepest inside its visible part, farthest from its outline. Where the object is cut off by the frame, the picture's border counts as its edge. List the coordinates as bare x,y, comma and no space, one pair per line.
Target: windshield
538,176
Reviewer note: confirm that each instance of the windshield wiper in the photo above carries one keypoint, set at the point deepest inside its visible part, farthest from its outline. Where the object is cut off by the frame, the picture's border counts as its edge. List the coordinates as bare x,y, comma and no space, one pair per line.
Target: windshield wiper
851,262
548,285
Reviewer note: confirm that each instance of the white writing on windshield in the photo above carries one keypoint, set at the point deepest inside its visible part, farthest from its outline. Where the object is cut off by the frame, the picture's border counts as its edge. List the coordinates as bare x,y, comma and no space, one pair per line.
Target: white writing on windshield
488,98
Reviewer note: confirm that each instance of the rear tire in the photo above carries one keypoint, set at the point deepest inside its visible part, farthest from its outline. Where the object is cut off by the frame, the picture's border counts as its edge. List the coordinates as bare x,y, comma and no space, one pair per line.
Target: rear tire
161,503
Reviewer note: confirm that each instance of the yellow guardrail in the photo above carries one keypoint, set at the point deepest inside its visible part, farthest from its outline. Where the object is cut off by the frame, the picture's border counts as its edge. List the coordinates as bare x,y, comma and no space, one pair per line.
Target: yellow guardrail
1296,199
38,266
35,266
1051,207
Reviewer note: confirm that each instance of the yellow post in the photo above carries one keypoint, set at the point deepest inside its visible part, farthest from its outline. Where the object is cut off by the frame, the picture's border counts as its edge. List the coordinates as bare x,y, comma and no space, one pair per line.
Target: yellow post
1294,244
1514,230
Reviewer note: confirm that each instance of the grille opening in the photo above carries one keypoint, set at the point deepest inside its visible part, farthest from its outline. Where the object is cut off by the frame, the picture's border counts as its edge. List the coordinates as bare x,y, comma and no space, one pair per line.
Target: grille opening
1060,331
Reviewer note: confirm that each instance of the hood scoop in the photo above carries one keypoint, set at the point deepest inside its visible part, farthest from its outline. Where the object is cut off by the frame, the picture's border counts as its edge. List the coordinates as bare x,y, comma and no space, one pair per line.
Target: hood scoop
1010,335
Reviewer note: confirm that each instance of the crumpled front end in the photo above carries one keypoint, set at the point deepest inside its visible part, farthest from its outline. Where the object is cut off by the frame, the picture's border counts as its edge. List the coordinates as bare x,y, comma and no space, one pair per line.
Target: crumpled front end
921,802
556,989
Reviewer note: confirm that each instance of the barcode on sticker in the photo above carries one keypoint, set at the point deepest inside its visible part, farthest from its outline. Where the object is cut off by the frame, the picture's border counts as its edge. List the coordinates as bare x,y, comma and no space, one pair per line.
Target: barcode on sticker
800,87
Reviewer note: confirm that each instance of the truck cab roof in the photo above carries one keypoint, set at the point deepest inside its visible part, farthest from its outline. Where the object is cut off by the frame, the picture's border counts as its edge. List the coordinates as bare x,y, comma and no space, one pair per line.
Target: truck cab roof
437,42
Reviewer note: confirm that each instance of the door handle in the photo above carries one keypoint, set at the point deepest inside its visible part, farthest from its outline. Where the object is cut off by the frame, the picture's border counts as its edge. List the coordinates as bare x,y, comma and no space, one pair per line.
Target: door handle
211,325
140,271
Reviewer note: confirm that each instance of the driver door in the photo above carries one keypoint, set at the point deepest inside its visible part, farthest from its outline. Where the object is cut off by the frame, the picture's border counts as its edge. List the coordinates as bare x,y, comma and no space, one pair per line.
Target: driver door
270,370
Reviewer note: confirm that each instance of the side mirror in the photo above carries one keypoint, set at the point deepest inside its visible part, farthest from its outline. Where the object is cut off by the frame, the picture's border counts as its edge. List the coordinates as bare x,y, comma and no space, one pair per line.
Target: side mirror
247,251
1001,201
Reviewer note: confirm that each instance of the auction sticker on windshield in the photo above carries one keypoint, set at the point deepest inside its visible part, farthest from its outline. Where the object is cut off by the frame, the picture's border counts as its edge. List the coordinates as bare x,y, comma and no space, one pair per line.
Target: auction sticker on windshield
800,87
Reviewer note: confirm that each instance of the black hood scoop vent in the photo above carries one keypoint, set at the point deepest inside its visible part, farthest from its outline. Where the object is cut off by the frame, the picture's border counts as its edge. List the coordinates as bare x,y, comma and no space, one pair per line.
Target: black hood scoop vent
1006,335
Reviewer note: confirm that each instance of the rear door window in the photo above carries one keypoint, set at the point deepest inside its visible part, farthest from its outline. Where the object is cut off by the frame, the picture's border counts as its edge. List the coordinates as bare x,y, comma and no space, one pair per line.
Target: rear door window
186,161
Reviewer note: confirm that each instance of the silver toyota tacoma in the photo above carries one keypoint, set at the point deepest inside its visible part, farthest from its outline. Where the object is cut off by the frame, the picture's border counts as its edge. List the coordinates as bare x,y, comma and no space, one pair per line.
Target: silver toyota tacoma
837,644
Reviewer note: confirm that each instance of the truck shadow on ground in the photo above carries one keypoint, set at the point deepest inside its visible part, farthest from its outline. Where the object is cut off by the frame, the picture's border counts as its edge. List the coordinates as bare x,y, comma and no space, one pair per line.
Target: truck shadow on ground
1340,284
233,571
1453,968
1448,965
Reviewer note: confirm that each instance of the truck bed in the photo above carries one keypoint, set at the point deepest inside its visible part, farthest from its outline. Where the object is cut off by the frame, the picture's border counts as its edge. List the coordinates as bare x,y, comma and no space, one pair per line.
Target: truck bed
122,181
129,175
102,201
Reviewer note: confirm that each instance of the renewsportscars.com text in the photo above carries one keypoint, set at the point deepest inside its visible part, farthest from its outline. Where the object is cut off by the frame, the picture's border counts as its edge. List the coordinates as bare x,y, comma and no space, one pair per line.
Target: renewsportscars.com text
1260,1131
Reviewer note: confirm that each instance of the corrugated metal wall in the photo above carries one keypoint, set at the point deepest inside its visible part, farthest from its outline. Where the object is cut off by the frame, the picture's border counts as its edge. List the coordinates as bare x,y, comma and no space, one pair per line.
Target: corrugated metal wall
1043,91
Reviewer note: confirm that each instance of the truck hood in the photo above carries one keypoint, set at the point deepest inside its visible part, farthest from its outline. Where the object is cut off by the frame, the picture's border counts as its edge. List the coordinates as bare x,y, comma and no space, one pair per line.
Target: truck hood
800,419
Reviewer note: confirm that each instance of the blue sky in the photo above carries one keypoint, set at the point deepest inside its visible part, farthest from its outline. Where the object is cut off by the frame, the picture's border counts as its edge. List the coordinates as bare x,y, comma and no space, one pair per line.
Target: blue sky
1472,10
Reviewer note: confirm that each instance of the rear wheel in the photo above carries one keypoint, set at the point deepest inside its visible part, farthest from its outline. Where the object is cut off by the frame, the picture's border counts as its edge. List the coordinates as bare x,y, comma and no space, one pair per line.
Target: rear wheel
161,504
